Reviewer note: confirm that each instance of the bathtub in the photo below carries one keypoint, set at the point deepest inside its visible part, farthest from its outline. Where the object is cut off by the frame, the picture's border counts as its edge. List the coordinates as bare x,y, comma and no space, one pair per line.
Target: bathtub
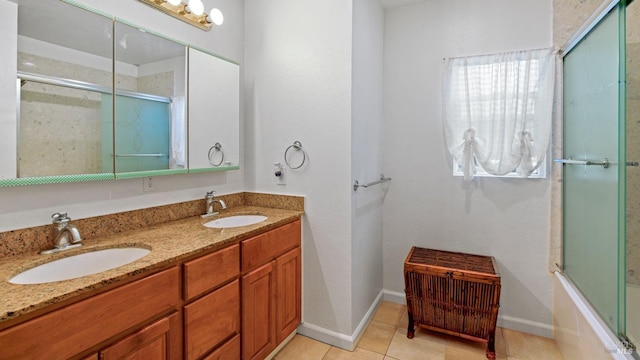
577,328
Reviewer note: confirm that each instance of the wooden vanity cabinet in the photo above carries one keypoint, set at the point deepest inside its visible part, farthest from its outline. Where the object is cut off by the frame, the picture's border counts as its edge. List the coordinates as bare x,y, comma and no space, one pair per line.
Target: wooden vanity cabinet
74,329
212,321
271,289
288,293
189,311
151,342
258,312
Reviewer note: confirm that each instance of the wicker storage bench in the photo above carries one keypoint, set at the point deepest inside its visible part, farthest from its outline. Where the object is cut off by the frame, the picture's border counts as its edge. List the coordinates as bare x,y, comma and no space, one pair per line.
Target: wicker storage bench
453,293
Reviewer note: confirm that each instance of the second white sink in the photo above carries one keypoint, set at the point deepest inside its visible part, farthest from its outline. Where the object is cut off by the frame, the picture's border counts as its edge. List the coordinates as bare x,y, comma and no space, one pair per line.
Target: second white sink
79,265
235,221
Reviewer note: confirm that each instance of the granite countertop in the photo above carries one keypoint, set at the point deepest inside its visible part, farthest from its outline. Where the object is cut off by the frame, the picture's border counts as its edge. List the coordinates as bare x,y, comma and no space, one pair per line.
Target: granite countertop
169,243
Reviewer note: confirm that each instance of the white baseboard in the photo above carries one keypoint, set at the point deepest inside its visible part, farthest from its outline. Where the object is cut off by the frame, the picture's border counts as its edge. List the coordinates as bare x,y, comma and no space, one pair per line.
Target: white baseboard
509,322
347,342
395,297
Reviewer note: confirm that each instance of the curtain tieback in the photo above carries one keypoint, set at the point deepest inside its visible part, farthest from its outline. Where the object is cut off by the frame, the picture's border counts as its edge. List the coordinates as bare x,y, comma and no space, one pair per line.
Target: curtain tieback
468,166
526,149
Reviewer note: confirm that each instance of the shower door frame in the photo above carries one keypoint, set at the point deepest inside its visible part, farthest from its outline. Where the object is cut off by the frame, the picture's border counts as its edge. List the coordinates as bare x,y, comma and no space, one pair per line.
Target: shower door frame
573,42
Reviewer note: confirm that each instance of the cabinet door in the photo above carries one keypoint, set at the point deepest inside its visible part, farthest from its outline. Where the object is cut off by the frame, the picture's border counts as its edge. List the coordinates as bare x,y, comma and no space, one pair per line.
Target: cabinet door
212,319
151,342
288,293
258,310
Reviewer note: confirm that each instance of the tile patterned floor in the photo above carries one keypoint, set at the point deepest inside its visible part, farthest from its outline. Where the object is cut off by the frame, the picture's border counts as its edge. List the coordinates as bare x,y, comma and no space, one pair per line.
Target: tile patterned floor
386,339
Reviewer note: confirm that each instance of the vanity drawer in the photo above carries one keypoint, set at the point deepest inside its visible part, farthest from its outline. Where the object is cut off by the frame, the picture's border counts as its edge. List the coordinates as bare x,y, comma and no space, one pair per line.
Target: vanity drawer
262,248
229,351
211,270
68,331
212,319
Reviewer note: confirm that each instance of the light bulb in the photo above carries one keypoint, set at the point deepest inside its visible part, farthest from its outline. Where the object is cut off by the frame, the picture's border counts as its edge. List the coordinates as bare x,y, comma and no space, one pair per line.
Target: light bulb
215,16
196,7
174,2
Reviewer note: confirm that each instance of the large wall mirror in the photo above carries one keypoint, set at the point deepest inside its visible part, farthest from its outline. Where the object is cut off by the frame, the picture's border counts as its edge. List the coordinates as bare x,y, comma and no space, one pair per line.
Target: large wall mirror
72,127
214,113
61,76
150,112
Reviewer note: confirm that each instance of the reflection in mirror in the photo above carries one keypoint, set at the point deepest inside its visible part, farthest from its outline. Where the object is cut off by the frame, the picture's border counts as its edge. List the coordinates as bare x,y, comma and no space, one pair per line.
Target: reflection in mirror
62,73
150,119
214,107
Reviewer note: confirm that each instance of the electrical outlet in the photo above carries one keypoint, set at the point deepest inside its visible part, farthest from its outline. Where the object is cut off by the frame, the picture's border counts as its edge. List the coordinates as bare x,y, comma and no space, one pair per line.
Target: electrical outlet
148,184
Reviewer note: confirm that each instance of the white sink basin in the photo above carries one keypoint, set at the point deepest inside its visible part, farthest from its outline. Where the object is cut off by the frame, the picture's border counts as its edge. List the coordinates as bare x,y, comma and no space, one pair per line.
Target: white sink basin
79,265
235,221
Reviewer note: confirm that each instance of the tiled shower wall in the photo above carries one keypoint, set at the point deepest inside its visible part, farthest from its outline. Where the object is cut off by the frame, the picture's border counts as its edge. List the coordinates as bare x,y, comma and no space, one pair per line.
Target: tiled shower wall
633,143
63,126
56,120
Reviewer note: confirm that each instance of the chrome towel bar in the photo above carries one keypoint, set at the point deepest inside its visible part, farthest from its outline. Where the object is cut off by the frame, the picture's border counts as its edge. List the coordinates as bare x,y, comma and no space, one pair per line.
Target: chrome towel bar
604,163
356,184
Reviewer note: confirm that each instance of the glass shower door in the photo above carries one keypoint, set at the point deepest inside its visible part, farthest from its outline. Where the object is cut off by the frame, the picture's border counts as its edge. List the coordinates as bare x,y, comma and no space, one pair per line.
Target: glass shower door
593,180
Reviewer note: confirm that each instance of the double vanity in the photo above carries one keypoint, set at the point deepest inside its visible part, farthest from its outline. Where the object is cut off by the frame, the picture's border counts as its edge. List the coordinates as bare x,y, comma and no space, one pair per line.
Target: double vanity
202,288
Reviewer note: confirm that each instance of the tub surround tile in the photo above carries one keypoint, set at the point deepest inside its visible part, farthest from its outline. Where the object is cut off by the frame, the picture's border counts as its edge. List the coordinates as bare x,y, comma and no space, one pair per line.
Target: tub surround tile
170,241
523,346
575,338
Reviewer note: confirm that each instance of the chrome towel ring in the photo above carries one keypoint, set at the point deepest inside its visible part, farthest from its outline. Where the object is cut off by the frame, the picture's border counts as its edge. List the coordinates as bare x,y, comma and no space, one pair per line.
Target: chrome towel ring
216,148
297,145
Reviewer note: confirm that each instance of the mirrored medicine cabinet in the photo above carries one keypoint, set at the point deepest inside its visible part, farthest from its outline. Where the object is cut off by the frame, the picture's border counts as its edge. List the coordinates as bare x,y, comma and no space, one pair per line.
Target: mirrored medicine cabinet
101,98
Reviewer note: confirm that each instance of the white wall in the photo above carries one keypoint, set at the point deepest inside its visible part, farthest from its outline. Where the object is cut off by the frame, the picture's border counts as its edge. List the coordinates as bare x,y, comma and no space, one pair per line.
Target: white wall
366,160
311,74
298,88
426,206
22,207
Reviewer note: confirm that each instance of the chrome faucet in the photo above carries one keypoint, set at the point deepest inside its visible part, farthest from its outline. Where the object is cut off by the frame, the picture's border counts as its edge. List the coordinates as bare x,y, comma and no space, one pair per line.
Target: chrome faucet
210,197
67,236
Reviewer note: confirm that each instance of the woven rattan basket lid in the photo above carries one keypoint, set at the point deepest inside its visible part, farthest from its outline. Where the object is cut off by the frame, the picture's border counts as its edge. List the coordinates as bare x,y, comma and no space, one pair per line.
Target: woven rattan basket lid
453,260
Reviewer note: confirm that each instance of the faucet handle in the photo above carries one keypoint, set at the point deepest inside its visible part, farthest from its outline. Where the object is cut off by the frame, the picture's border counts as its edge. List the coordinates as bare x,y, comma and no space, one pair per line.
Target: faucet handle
211,194
60,218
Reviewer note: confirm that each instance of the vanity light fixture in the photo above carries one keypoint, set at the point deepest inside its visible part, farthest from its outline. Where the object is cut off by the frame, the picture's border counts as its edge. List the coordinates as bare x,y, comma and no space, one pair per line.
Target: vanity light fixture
189,11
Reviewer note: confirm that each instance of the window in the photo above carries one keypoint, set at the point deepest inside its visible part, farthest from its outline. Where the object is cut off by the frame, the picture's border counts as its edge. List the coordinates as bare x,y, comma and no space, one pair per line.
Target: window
497,112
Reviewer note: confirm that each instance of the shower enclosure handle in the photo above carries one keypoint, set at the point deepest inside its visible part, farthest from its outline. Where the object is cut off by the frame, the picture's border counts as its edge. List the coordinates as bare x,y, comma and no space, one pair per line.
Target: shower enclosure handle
604,163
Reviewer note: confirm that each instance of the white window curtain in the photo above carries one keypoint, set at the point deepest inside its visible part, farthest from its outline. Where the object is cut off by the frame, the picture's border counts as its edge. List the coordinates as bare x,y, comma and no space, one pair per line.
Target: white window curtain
497,111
